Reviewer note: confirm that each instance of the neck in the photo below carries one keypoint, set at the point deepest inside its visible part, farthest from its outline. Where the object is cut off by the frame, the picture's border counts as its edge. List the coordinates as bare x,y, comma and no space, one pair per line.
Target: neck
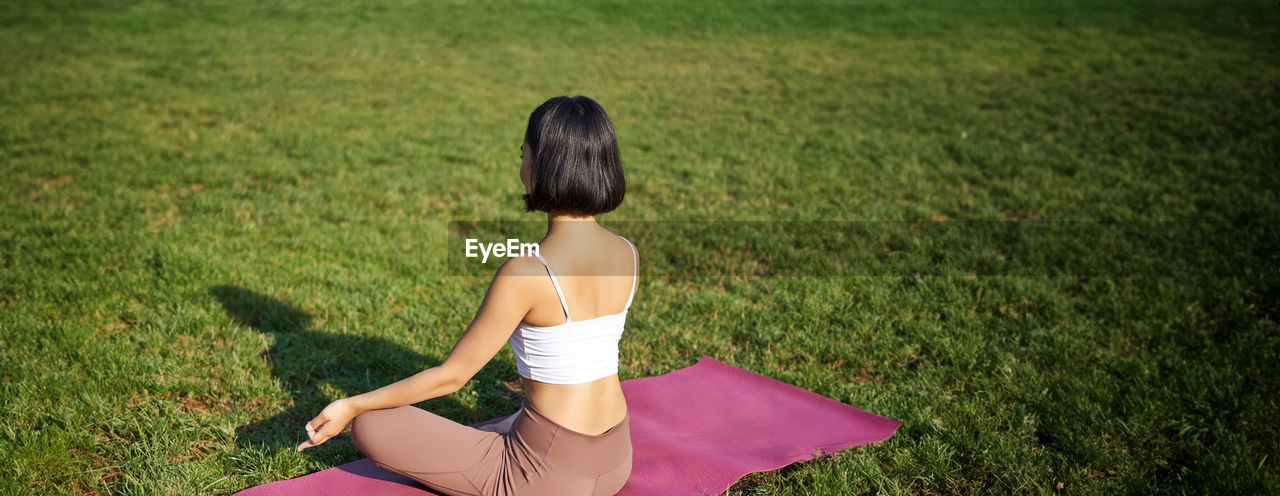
564,221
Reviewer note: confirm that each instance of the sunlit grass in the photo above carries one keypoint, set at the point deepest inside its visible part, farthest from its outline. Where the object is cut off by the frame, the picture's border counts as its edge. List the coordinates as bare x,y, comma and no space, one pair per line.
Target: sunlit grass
219,216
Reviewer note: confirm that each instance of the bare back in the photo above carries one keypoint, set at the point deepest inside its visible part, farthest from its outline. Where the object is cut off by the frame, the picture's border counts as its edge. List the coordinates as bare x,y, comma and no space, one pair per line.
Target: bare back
577,256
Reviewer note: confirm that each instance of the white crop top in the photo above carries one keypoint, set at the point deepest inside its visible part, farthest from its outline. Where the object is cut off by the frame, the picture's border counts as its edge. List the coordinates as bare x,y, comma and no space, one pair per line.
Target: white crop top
576,351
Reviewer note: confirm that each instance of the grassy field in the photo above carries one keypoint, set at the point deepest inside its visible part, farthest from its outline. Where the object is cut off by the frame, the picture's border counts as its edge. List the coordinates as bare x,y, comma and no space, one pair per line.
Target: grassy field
218,216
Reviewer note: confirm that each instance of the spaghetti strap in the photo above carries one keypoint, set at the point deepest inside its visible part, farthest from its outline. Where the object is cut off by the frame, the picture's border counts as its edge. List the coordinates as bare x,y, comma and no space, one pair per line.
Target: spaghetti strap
559,293
635,275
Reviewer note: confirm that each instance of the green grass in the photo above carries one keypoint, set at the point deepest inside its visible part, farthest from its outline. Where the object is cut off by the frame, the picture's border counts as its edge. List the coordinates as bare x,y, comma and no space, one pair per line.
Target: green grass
218,216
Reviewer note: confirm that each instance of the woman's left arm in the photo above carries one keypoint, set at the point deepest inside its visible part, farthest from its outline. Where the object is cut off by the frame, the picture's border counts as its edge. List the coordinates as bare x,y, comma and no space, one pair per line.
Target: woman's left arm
505,305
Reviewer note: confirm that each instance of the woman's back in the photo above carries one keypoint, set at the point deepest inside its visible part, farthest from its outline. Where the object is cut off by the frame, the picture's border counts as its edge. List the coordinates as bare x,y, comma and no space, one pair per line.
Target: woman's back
596,273
572,434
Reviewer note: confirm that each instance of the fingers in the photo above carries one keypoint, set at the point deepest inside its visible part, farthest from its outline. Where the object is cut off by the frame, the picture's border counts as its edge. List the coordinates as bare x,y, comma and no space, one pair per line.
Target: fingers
316,434
315,438
318,422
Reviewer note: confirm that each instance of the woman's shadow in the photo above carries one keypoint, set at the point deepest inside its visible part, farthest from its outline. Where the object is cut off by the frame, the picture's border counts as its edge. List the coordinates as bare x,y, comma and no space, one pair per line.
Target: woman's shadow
314,366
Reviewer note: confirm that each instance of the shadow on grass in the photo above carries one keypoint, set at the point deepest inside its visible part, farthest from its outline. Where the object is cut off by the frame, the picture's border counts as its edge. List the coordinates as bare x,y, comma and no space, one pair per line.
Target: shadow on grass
309,362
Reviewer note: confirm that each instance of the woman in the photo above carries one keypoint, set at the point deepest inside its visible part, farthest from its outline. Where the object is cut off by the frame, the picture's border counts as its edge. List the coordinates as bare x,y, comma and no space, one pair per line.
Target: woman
571,435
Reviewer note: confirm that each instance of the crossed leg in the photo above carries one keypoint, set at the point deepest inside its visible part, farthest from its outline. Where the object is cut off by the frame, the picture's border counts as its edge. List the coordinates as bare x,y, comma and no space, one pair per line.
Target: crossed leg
441,454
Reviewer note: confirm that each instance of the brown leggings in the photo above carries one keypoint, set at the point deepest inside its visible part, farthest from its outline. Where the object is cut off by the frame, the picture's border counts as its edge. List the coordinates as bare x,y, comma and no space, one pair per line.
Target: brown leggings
537,457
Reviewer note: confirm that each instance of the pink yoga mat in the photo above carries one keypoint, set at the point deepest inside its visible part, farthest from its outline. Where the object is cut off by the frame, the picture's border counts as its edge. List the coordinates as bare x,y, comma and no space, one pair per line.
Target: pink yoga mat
695,431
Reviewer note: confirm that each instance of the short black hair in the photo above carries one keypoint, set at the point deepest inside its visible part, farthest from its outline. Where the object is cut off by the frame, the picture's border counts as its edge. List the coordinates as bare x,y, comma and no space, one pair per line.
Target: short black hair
576,167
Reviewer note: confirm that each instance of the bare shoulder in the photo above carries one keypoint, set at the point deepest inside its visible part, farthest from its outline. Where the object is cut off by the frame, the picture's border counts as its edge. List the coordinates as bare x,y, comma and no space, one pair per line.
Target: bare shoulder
521,266
633,250
513,283
510,286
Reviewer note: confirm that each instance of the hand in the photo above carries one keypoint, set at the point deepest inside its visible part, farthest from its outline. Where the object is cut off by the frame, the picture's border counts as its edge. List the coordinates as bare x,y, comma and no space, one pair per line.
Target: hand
329,423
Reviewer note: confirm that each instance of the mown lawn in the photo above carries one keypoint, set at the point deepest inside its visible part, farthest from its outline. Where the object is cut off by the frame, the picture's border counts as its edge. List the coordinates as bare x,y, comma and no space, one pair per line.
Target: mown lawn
218,216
